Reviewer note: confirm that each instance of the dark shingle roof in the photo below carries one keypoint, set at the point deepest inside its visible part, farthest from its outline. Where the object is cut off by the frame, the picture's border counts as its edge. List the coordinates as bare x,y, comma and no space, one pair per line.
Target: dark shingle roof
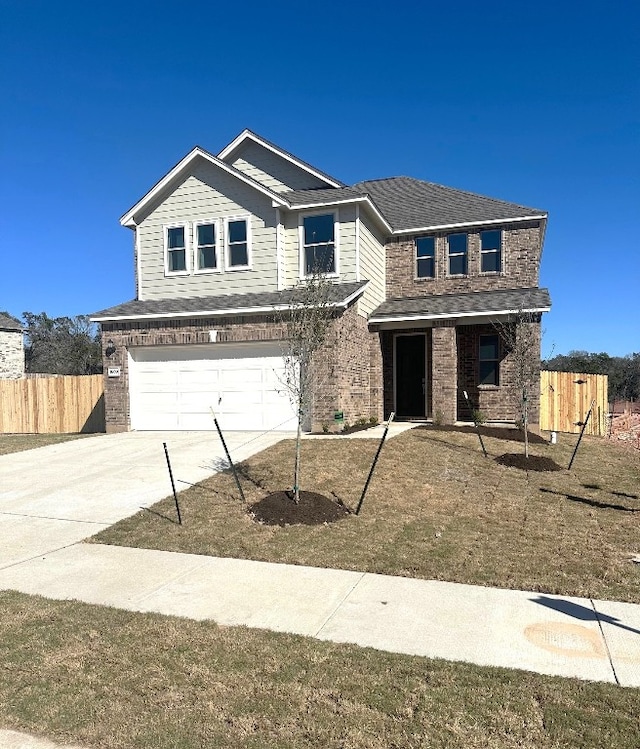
321,195
409,203
217,305
9,323
470,303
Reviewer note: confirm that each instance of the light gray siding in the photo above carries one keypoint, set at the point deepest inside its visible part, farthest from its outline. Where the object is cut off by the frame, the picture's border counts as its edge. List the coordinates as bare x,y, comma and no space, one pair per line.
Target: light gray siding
208,193
372,265
272,170
346,241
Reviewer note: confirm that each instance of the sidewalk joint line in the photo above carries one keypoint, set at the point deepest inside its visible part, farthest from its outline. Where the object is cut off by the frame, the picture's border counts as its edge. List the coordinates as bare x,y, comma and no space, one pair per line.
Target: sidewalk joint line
42,555
340,603
48,517
604,639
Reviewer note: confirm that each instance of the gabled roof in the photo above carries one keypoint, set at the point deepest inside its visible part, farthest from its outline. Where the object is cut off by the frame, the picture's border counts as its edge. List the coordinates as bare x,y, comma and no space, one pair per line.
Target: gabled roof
247,134
468,304
10,323
175,174
411,205
340,295
316,198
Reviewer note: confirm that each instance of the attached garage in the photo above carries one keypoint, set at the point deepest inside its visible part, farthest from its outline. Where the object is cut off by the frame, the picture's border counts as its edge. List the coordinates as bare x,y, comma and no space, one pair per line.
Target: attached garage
175,387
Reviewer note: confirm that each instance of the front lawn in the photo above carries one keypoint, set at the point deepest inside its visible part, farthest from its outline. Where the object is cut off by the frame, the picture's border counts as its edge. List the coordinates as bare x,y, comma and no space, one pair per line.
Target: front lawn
436,509
112,679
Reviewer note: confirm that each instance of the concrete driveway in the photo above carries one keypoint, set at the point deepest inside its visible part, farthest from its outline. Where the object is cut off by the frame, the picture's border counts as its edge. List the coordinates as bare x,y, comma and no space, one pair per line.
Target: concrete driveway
57,495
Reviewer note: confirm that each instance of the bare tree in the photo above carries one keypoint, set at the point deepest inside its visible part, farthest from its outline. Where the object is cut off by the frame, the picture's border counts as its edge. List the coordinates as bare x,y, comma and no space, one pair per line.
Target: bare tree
306,324
520,335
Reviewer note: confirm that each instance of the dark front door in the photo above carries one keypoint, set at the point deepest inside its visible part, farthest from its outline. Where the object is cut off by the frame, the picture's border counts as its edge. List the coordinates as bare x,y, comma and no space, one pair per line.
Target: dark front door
410,376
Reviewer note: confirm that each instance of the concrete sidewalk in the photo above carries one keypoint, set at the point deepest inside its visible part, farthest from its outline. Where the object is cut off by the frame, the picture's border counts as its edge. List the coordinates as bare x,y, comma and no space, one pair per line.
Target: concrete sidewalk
562,636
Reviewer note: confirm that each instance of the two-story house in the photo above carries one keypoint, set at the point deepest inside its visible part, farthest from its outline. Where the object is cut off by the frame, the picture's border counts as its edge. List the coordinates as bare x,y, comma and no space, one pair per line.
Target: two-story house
422,274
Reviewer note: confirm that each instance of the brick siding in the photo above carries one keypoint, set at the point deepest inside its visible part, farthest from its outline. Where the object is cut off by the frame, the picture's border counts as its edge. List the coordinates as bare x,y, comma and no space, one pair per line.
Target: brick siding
521,247
343,378
496,403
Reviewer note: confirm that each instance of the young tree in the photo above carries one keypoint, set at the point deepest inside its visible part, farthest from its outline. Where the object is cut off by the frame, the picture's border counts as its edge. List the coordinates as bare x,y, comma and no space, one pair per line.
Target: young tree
306,324
520,335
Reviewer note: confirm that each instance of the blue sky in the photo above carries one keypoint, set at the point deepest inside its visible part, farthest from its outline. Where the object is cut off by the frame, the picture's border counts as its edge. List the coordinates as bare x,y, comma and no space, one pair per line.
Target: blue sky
535,104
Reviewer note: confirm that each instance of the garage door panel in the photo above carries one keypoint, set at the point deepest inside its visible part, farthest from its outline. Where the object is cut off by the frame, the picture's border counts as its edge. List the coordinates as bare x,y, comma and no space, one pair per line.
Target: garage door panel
174,387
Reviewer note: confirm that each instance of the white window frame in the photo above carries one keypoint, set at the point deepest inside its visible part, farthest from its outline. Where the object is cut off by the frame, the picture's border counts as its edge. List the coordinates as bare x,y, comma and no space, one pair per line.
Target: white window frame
336,243
499,252
165,232
218,267
227,249
457,254
417,259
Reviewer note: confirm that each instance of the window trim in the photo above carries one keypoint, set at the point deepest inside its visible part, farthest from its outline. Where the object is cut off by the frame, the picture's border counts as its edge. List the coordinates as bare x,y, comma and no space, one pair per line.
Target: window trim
227,247
184,225
336,243
218,266
498,251
496,361
458,254
417,259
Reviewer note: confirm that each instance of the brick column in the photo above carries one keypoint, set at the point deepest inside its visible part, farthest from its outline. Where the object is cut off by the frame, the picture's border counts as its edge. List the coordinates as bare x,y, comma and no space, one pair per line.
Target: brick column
444,372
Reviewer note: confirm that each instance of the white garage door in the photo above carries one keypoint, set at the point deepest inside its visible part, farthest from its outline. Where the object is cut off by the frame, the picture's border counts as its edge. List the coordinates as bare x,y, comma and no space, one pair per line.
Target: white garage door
175,387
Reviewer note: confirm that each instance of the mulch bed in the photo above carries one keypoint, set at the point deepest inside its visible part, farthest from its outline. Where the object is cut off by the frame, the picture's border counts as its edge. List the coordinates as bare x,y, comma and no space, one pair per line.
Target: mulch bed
532,463
313,509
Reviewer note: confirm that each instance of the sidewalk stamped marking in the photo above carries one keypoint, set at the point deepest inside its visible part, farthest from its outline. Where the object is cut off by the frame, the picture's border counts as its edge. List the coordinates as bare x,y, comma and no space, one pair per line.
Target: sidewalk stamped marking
572,640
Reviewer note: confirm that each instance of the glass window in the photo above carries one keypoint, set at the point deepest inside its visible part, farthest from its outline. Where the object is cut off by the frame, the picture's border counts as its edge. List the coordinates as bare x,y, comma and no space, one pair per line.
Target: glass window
489,359
426,257
237,242
319,244
457,254
176,250
491,251
206,247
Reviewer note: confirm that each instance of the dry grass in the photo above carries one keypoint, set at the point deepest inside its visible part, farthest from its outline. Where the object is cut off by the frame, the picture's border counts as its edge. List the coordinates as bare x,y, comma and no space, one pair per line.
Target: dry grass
112,679
436,509
14,443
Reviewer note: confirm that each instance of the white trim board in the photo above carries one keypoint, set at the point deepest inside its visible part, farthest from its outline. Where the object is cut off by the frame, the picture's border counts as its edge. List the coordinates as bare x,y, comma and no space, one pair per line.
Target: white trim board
247,134
220,313
128,218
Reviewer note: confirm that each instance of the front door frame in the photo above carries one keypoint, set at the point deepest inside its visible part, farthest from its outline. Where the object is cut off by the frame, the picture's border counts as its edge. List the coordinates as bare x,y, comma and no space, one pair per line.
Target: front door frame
427,372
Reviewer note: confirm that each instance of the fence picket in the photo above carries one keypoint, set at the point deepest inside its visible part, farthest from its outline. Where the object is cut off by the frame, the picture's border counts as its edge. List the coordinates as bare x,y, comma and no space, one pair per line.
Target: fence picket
564,401
53,405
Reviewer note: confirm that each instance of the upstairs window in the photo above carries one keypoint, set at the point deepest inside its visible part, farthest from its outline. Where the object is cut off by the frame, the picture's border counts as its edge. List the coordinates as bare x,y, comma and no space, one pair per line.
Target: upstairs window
489,360
319,247
238,244
206,246
426,257
491,251
175,249
457,254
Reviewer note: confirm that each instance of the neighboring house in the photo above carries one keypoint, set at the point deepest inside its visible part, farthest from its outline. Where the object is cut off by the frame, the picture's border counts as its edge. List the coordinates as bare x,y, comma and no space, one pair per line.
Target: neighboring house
11,348
421,275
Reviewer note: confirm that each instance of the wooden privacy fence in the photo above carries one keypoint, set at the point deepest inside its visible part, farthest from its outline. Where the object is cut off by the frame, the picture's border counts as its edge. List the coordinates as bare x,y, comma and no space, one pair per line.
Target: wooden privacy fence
565,398
52,405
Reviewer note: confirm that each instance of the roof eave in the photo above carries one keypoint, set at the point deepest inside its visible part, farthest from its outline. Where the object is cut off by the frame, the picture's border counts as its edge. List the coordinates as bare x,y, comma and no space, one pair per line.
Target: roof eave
328,203
462,224
452,315
128,219
235,311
